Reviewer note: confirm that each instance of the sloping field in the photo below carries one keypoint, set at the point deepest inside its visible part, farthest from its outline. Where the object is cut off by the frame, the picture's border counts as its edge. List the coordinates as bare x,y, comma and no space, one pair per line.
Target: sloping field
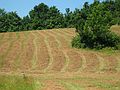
45,60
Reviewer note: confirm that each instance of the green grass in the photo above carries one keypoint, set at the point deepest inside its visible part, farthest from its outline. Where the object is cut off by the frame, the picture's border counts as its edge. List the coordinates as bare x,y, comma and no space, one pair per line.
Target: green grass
109,51
107,86
100,83
37,83
71,86
16,83
20,83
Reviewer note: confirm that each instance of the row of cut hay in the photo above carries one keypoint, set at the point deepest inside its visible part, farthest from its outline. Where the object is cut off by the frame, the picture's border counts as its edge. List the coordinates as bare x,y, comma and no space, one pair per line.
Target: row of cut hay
27,53
57,55
42,52
5,49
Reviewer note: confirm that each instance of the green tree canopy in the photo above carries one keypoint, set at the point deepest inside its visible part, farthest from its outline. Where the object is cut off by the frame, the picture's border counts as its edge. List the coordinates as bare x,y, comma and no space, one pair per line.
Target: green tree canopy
94,30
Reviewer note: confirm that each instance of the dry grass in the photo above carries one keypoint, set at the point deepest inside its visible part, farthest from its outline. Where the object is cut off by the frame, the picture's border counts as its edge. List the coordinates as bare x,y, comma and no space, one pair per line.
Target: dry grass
47,56
116,29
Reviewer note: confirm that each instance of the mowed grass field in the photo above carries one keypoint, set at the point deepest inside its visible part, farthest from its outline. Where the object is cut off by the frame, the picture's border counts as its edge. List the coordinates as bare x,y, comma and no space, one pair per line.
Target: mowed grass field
45,60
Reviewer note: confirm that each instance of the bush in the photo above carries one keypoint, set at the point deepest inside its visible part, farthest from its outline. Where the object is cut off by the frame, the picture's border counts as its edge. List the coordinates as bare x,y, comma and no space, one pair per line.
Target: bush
94,31
76,42
103,40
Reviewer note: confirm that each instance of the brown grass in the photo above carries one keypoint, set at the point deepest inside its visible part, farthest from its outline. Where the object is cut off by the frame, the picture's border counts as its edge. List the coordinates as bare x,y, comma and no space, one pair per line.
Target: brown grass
48,55
42,52
115,29
31,49
52,85
75,61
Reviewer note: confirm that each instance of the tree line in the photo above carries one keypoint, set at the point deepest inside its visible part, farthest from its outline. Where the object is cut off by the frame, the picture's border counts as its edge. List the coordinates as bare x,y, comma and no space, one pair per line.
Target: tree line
44,17
40,17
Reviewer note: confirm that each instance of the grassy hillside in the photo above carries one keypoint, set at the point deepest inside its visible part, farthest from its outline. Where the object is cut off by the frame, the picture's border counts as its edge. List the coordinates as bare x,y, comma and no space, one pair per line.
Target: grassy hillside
45,60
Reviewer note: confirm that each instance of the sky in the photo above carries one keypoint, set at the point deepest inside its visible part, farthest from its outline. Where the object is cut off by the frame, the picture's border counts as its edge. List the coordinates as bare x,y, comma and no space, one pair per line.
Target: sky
22,7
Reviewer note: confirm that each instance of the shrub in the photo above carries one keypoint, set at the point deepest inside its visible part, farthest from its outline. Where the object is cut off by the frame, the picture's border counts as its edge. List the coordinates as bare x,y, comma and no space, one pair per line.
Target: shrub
76,42
94,31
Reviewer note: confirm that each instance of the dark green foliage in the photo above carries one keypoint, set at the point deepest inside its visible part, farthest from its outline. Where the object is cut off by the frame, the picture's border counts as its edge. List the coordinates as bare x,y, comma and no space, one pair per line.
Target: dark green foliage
93,27
43,17
55,19
76,42
26,23
9,21
38,16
